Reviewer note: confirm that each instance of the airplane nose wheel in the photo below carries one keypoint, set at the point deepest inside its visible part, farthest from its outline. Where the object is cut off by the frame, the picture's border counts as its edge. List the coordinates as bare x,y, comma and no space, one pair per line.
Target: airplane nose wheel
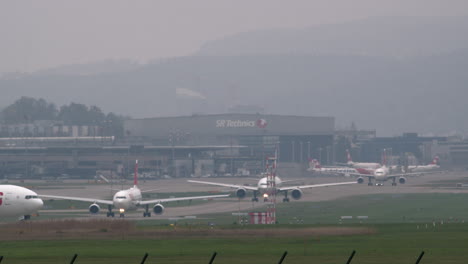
122,215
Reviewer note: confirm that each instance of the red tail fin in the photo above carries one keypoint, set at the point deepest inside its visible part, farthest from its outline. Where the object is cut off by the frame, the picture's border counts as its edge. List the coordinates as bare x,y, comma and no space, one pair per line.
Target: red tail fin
349,156
135,177
384,157
313,163
435,161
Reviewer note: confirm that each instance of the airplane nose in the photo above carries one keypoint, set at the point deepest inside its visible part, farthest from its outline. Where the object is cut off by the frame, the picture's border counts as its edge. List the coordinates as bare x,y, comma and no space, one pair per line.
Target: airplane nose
39,203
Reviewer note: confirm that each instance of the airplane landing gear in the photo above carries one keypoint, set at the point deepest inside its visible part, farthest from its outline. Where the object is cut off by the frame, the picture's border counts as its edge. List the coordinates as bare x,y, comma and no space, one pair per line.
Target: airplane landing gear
286,199
27,217
110,213
255,199
122,215
146,213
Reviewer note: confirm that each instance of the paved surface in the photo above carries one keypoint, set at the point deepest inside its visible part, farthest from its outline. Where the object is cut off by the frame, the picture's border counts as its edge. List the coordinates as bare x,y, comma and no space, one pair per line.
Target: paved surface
429,183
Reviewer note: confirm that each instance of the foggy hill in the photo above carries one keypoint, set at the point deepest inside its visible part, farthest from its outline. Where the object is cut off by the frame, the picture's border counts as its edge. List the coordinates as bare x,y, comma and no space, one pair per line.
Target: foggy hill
421,94
394,94
377,36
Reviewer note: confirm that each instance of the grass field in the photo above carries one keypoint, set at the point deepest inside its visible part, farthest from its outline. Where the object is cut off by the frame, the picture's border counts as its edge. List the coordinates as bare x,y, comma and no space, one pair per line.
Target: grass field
399,227
379,208
388,243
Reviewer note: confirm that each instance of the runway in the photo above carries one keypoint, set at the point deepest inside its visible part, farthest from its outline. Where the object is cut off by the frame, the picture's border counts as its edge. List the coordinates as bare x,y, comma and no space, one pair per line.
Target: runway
429,183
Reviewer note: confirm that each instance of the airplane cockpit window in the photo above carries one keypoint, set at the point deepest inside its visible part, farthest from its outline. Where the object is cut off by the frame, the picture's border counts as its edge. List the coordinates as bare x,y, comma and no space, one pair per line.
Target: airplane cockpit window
31,197
121,197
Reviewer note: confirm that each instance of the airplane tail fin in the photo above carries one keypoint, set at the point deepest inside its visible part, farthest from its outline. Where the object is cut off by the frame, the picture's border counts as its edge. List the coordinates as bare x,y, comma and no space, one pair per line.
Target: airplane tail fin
314,164
348,156
384,157
135,177
435,161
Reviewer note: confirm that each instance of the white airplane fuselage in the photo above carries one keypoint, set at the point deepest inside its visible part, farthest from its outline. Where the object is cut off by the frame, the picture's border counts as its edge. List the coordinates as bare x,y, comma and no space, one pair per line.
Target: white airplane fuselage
127,200
423,168
263,187
381,173
365,165
18,201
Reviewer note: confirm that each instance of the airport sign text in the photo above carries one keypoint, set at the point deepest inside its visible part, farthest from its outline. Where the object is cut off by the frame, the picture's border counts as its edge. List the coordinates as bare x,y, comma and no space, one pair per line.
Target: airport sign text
226,123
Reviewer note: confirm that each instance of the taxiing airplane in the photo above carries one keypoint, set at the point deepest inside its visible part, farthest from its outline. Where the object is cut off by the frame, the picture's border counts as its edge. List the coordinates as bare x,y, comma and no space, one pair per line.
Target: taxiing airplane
265,189
130,199
315,167
383,174
424,168
363,165
18,201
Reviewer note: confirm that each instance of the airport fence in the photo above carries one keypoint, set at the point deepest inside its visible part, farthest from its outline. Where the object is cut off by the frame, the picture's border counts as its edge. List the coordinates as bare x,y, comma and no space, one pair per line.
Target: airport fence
211,261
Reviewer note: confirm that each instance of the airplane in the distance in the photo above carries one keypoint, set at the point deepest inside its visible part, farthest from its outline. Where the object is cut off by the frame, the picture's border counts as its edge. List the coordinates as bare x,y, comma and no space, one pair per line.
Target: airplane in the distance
130,199
265,189
315,167
363,165
424,168
18,201
383,174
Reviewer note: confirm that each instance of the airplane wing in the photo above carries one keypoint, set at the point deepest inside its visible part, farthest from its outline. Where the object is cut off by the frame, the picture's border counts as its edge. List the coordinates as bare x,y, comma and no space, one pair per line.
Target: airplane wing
182,199
407,174
362,175
226,185
91,200
314,186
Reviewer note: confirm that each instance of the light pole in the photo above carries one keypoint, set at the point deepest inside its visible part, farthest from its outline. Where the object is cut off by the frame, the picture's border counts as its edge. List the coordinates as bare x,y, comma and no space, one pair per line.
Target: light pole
300,146
171,142
320,154
293,158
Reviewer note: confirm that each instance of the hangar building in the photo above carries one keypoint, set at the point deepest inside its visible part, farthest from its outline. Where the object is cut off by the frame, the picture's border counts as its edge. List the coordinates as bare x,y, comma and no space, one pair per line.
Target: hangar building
248,138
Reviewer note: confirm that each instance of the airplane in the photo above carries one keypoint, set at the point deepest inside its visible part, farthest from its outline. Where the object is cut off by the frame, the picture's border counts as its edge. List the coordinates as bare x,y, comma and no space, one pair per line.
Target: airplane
130,199
424,168
265,189
18,201
363,165
315,167
383,174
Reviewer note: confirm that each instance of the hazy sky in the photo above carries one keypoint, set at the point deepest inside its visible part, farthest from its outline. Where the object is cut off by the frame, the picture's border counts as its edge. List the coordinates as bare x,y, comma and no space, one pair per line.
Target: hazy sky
38,34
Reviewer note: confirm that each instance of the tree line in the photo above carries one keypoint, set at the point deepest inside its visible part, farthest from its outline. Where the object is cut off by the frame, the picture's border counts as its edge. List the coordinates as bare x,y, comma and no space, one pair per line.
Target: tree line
27,110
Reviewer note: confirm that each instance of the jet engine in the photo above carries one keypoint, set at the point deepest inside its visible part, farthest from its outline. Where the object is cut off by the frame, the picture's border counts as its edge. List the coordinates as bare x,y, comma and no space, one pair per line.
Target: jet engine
402,180
296,194
240,193
158,209
360,180
94,208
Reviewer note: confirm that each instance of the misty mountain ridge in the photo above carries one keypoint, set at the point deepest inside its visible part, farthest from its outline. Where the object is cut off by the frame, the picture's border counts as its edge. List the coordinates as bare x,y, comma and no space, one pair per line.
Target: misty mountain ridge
376,36
92,68
413,94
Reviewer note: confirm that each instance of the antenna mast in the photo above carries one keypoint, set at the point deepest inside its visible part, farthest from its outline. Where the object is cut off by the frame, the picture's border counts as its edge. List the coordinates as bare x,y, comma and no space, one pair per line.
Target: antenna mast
271,183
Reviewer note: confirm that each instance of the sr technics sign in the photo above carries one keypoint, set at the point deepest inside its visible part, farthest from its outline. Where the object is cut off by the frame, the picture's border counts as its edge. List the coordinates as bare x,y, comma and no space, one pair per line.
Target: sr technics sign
223,123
